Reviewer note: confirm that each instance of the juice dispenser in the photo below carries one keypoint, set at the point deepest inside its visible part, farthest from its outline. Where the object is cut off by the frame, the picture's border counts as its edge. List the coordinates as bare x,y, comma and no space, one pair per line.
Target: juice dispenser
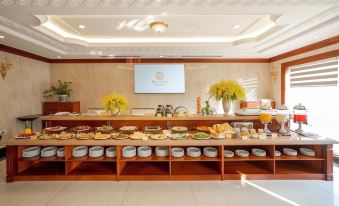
300,116
282,116
265,118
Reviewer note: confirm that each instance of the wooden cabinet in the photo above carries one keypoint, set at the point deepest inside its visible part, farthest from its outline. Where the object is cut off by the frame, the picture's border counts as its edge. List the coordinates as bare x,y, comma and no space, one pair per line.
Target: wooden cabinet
53,107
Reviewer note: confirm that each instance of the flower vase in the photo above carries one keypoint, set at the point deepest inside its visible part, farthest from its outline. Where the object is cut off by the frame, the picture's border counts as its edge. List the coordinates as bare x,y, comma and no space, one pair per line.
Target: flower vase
228,107
115,112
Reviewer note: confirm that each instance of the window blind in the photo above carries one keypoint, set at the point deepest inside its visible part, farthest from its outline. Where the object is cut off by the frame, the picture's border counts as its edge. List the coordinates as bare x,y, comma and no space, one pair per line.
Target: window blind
315,74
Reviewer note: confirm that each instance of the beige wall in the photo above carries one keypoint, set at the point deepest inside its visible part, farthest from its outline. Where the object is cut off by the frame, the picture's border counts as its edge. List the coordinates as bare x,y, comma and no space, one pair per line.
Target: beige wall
276,90
93,81
20,92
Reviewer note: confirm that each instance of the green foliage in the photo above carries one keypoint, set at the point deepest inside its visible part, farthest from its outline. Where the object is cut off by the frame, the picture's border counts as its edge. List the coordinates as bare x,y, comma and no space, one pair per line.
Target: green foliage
63,88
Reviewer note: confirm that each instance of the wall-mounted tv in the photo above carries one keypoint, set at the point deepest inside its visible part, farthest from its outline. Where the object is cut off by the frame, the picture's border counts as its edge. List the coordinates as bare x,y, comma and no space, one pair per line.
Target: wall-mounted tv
159,78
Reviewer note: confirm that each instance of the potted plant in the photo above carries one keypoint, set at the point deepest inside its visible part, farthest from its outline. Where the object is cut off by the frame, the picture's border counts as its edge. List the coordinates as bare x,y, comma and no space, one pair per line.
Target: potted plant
62,90
228,91
115,103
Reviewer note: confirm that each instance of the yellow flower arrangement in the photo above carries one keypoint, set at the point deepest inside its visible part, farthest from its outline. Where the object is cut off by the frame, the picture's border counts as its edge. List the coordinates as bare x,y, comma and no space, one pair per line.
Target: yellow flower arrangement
115,103
227,90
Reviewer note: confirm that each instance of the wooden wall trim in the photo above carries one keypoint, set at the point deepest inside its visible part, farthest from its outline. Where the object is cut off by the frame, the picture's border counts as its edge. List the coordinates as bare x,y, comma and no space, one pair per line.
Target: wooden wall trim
162,60
286,65
308,48
23,53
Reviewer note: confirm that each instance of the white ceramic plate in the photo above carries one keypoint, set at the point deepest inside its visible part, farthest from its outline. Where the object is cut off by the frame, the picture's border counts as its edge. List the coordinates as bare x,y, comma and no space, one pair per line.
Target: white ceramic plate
177,152
193,151
55,129
111,152
307,152
158,136
144,151
242,153
228,153
80,151
96,151
61,152
277,153
259,152
128,128
210,152
48,151
179,129
31,152
290,152
161,151
129,151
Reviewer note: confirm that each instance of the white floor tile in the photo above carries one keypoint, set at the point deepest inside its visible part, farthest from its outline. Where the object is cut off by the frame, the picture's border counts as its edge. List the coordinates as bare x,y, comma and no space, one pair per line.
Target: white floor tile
159,193
94,193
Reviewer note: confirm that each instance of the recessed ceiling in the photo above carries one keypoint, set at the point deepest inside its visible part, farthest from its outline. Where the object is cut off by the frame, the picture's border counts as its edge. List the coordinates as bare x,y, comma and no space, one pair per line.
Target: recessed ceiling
225,28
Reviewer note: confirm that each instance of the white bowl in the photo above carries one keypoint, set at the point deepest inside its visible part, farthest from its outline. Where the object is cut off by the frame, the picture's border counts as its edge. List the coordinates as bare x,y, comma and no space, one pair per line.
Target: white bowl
111,152
242,153
210,152
80,151
129,151
161,151
177,152
48,151
259,152
144,151
96,151
193,151
31,152
277,153
290,152
307,152
61,152
228,153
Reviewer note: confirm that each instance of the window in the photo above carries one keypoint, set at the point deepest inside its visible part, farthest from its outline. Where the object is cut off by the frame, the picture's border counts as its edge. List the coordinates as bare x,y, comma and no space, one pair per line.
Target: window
315,85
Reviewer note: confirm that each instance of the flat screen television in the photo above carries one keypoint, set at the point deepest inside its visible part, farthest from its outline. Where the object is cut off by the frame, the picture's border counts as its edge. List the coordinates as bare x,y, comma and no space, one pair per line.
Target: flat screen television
159,78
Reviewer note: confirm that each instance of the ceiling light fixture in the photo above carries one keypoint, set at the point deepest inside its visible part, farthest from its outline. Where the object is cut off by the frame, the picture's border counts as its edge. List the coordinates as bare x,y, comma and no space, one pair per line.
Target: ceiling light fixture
164,13
158,26
2,37
237,26
81,26
59,57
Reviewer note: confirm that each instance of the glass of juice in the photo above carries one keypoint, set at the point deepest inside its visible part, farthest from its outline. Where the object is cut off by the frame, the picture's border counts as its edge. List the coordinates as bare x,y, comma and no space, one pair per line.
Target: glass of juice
265,118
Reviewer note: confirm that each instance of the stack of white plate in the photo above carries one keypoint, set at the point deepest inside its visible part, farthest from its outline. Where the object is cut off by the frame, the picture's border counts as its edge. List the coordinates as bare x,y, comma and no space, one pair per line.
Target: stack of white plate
290,152
177,152
111,152
96,151
61,152
228,153
259,152
242,153
193,151
48,151
80,151
129,151
307,152
144,151
31,152
161,151
210,152
277,153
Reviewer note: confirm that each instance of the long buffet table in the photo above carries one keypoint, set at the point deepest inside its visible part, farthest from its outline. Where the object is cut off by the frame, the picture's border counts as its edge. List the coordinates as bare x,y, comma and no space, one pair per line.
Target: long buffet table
169,168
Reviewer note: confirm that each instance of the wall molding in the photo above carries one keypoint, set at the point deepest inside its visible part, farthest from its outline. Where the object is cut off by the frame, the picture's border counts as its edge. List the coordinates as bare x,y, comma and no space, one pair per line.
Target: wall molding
286,65
308,48
23,53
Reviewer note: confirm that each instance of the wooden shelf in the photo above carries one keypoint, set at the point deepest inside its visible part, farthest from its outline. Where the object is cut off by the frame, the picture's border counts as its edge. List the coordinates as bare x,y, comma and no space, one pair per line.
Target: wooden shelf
249,158
245,168
193,159
290,167
95,168
196,168
145,168
93,159
152,158
284,157
43,159
45,168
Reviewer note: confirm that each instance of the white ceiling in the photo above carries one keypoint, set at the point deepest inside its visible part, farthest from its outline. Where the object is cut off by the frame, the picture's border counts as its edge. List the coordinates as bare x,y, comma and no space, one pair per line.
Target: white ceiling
196,27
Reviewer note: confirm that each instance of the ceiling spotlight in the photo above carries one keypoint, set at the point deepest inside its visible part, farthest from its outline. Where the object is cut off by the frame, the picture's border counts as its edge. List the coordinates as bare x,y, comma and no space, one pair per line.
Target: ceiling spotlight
81,26
158,26
161,56
237,26
2,37
59,57
164,13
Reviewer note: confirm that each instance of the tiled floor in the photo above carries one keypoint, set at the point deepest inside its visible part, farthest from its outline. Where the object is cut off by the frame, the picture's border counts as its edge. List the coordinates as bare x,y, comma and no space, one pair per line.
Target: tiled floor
185,193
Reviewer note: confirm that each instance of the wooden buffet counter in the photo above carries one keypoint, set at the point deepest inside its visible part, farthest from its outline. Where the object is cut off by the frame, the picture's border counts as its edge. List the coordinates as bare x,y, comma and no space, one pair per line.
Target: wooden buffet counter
169,168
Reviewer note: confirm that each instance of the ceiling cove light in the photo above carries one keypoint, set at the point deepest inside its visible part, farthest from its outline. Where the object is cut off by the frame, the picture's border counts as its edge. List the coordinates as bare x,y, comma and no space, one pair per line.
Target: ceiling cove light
81,26
237,26
2,37
158,26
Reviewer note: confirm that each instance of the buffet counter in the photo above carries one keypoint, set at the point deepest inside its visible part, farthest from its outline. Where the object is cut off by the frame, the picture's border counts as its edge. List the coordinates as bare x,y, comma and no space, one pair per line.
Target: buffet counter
154,167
